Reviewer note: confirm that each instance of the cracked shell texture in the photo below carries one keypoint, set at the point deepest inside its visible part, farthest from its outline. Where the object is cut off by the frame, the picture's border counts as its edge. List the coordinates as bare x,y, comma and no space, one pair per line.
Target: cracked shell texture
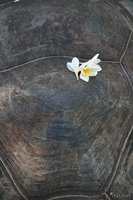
63,139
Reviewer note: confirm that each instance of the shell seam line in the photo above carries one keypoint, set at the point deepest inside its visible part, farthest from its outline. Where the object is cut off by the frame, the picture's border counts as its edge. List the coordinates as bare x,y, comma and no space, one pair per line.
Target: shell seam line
13,179
120,14
106,195
127,76
6,4
126,46
123,68
41,58
64,196
120,62
31,61
119,159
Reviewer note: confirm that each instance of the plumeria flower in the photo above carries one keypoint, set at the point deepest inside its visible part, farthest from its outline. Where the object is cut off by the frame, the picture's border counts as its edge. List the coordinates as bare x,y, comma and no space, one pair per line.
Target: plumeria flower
87,69
90,68
74,66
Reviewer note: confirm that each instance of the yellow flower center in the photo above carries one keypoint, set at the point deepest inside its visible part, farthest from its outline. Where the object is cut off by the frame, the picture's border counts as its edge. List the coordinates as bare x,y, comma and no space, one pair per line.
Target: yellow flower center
87,72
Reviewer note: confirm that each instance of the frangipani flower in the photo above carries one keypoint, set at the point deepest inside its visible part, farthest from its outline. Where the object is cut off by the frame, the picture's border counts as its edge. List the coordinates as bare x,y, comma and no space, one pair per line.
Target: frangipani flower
74,66
90,68
87,69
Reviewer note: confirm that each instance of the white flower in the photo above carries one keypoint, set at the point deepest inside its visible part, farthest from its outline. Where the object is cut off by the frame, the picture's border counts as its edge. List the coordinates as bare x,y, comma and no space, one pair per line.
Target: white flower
87,69
90,68
74,66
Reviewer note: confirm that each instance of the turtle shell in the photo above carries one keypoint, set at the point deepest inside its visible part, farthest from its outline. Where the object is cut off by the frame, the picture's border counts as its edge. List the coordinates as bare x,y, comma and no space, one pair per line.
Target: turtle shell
62,138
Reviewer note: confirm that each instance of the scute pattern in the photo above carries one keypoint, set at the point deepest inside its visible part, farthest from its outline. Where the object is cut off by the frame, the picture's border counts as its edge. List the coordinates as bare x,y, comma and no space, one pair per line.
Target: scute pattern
61,138
33,31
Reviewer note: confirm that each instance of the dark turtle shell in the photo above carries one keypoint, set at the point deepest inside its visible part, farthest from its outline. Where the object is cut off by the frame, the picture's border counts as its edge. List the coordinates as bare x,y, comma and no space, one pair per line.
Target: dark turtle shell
62,138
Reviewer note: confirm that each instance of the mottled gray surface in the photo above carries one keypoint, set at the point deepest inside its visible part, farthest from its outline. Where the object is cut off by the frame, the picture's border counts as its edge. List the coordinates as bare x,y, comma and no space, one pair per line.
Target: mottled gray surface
123,183
47,28
128,60
61,138
125,8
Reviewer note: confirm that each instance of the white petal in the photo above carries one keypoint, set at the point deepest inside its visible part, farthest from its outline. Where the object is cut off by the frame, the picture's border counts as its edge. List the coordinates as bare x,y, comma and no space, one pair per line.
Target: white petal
97,61
86,78
97,68
83,66
75,62
95,57
70,66
93,73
